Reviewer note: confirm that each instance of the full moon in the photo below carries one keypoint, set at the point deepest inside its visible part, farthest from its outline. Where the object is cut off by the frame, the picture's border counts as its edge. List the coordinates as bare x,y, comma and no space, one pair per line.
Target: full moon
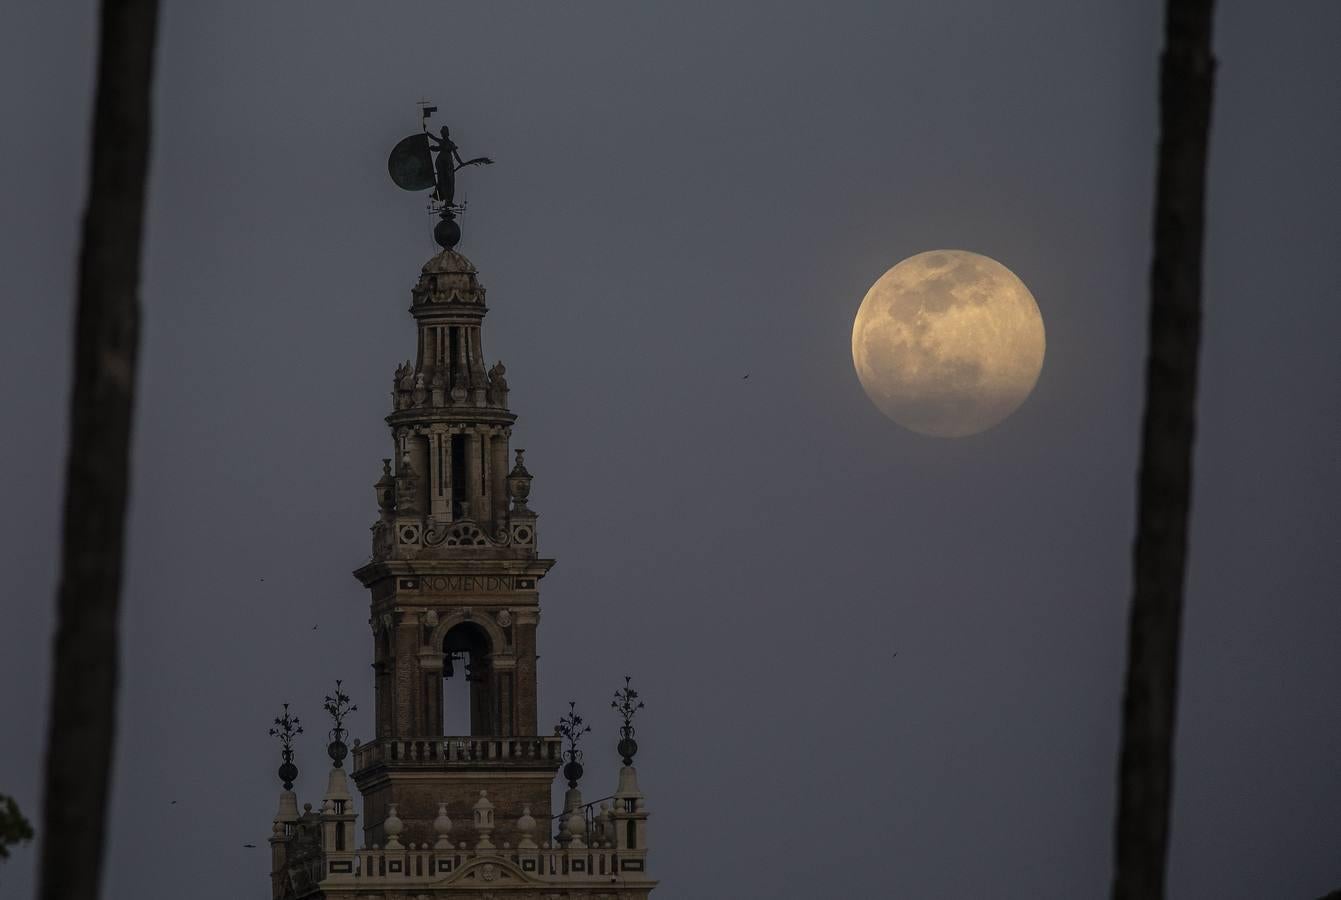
948,343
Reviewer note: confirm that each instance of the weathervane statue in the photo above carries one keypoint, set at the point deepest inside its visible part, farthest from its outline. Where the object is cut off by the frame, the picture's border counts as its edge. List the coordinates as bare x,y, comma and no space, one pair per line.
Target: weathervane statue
414,168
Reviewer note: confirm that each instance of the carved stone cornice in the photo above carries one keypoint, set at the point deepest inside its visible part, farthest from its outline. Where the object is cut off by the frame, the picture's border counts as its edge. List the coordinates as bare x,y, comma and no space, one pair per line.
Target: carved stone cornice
450,415
519,569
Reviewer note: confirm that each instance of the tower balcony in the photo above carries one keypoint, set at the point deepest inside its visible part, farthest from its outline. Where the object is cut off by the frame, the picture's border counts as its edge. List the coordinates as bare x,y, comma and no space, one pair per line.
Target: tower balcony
461,752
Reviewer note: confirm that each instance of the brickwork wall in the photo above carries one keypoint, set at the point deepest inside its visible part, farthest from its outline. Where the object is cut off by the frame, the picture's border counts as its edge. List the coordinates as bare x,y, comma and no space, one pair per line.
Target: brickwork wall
524,684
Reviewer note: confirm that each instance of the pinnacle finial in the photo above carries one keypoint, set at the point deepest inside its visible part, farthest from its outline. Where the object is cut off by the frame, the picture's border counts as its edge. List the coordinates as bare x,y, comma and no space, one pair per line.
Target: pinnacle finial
519,484
627,704
442,825
286,729
572,727
338,706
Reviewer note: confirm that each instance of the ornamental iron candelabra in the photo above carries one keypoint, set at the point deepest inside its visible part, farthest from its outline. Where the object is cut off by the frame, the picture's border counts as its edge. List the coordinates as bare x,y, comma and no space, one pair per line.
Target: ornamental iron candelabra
286,729
571,727
337,707
627,704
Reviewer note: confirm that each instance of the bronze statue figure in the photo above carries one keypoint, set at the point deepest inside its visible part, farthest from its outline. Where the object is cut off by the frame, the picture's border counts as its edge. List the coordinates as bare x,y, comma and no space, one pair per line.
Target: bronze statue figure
446,164
413,167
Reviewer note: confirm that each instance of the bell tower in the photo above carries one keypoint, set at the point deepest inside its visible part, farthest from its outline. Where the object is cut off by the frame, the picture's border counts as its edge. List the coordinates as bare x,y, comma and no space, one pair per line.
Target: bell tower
454,581
457,774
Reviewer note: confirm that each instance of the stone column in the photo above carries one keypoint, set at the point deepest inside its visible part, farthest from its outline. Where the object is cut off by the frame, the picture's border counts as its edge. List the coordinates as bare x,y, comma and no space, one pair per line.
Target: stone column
430,667
498,491
478,380
458,386
507,706
434,486
382,697
440,462
486,476
385,675
474,492
524,672
419,460
408,701
447,461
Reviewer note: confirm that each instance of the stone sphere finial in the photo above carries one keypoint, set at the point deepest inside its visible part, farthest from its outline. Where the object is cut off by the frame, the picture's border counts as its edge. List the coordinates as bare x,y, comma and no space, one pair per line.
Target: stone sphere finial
526,827
393,826
447,233
577,828
442,825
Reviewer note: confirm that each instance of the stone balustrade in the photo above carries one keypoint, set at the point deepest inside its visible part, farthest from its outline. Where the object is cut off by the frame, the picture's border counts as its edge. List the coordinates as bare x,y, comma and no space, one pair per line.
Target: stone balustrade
460,751
408,868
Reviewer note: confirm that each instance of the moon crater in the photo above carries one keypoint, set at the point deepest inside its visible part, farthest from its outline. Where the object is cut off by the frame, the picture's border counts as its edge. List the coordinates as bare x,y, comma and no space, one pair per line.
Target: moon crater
948,343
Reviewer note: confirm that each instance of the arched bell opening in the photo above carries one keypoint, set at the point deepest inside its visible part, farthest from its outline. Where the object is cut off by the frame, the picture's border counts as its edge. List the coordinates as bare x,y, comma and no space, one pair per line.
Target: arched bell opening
468,688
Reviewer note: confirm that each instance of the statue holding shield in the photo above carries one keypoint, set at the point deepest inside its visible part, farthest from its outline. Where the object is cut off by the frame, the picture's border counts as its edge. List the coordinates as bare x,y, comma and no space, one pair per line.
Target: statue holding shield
446,164
414,167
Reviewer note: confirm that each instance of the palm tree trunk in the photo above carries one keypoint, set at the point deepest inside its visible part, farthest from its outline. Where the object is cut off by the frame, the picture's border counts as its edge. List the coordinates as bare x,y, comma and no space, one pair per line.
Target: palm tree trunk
84,669
1165,483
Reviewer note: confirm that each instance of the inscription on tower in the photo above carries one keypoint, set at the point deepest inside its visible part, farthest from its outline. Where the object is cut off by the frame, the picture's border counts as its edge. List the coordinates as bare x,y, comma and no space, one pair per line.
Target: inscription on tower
467,584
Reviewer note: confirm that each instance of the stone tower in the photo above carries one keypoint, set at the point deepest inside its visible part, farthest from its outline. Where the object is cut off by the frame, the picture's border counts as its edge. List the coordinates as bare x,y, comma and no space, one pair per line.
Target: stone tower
454,582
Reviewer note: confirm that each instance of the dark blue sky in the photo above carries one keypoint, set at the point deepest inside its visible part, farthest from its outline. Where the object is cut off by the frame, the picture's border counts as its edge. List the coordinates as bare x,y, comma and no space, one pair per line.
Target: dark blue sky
686,193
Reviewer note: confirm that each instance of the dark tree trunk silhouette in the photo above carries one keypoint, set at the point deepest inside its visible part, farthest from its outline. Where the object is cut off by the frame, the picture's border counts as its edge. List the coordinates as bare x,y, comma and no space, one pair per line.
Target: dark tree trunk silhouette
84,667
1165,482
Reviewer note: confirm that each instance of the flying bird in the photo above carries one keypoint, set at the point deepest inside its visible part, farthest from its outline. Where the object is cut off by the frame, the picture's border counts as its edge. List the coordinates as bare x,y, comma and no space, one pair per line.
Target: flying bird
252,846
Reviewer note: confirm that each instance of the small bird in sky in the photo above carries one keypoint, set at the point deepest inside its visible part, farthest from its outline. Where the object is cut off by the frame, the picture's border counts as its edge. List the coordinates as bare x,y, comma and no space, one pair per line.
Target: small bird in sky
173,803
314,627
252,846
745,377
